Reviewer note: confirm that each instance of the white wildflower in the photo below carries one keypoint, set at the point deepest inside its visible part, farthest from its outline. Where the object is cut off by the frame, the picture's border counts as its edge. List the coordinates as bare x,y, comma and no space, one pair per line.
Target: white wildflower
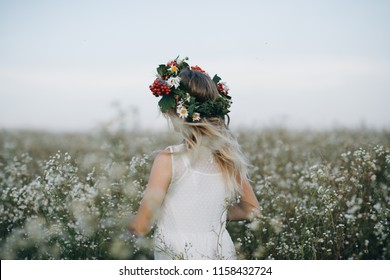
224,86
196,117
173,69
188,97
173,82
182,112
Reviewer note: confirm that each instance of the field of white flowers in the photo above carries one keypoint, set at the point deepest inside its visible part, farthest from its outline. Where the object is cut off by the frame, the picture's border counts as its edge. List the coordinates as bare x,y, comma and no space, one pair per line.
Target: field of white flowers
324,195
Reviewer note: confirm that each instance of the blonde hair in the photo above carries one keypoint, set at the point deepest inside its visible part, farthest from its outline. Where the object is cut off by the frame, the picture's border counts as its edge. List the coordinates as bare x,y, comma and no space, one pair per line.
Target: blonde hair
212,132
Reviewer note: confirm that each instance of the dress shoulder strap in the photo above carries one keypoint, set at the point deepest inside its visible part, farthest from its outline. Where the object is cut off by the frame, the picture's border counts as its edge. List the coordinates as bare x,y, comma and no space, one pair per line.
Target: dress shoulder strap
180,161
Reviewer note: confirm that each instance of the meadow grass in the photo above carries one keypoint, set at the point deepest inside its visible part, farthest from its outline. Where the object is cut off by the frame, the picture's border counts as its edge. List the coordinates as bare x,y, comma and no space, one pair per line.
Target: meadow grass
323,194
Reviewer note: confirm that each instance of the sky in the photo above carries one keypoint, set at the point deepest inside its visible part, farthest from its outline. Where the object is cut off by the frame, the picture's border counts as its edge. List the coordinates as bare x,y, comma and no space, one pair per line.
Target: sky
75,65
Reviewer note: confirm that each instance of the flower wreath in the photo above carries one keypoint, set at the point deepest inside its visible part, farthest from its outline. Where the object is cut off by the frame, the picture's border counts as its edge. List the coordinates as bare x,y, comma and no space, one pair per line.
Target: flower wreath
175,95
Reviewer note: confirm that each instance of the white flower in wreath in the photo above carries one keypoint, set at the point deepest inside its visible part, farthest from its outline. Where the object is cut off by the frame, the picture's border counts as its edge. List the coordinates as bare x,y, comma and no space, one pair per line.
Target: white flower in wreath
224,86
173,82
196,117
182,112
173,69
180,103
188,97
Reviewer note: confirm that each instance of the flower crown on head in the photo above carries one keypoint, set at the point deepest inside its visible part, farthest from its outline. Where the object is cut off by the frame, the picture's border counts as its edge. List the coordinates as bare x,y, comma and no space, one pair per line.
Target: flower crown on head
174,94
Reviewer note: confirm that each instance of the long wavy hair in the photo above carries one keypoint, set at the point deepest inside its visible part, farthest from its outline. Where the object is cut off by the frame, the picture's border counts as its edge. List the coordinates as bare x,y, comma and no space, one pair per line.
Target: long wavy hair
211,132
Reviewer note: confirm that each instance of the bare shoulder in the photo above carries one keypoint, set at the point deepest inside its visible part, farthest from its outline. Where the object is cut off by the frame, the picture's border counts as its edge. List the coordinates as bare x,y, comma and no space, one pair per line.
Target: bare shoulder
164,156
163,161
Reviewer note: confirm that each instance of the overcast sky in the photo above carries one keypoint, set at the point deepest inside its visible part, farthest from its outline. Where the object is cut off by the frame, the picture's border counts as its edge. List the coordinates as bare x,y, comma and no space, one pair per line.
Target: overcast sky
298,64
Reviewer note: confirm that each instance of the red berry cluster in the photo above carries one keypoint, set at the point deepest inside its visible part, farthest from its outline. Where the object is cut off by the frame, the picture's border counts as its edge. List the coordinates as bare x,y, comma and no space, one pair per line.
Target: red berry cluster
221,89
172,63
197,68
159,88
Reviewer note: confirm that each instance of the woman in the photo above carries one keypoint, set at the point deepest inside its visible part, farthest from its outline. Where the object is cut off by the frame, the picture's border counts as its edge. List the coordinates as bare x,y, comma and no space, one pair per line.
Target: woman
195,187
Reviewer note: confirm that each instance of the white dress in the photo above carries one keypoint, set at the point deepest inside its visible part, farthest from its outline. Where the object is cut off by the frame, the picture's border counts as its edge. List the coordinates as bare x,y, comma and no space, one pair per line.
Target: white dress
192,221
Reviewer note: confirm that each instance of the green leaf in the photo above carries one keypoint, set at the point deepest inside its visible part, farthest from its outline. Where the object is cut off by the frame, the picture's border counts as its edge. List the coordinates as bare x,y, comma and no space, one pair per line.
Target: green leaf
216,79
191,109
167,102
184,65
162,69
180,90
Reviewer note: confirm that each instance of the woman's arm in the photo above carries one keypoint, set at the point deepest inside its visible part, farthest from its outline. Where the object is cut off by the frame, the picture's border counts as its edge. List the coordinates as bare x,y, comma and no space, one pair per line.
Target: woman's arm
248,206
159,180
